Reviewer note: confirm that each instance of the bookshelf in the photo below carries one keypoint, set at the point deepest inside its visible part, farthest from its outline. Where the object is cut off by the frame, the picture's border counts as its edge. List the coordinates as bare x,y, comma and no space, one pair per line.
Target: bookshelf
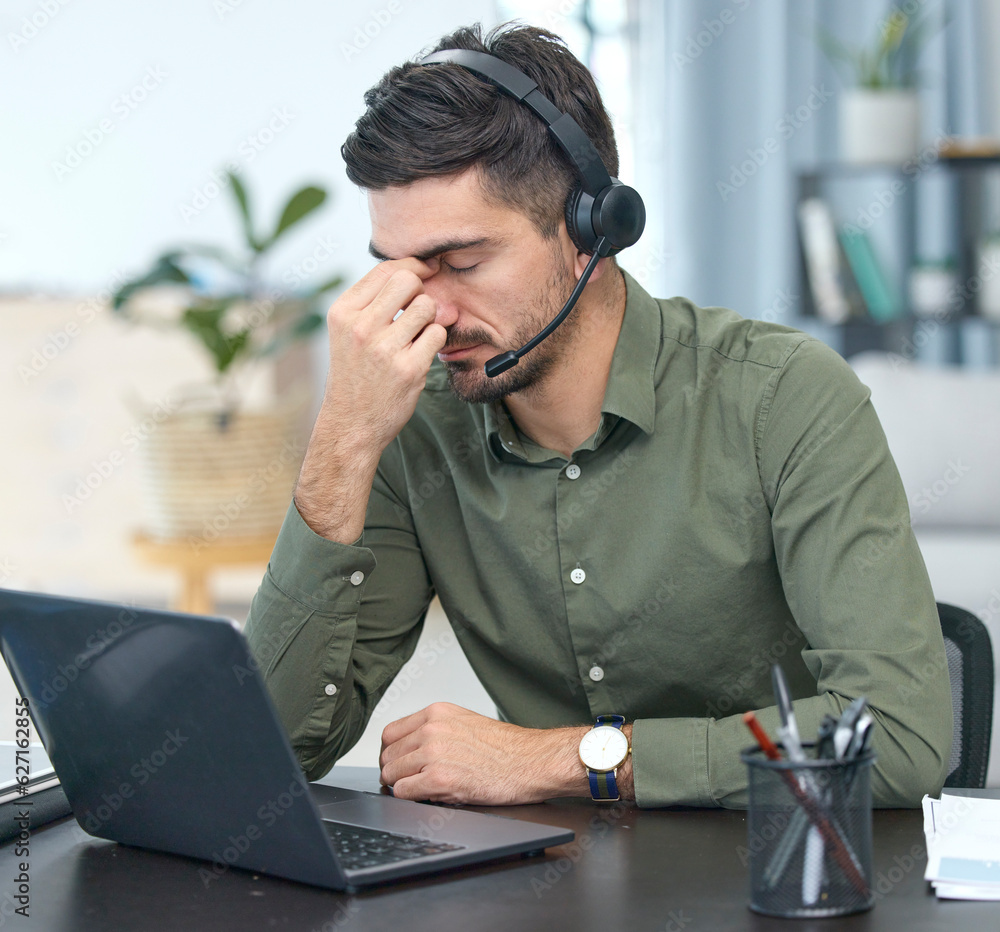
881,204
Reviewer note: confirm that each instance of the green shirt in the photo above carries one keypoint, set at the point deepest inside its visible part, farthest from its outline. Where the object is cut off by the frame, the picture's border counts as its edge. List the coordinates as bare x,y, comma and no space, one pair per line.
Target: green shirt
737,506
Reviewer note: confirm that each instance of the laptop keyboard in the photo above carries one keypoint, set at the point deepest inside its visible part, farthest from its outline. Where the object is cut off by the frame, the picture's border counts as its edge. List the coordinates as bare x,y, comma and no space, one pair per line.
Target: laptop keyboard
359,847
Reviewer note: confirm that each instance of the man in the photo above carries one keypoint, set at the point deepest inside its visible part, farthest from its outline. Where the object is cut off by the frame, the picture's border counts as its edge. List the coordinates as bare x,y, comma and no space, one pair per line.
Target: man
658,503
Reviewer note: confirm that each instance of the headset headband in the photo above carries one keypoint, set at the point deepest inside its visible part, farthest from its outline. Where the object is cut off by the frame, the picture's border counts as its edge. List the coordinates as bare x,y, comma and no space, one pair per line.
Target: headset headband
572,139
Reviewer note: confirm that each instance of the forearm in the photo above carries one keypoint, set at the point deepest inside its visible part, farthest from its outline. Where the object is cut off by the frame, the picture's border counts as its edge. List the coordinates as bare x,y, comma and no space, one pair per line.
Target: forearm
324,656
449,754
335,482
696,762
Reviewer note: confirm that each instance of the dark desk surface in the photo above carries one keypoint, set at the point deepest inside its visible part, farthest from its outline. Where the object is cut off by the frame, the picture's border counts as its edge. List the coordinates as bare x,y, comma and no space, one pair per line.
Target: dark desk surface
662,870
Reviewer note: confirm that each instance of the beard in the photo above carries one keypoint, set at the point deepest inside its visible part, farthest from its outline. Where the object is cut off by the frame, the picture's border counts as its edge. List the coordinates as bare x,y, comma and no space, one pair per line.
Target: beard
470,383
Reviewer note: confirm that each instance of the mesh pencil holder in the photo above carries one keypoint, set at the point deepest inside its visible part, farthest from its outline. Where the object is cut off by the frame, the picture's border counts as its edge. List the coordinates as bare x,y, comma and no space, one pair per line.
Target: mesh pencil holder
809,831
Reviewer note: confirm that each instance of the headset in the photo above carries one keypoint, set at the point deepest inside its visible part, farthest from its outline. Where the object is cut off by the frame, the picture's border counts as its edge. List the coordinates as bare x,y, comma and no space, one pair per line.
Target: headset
603,215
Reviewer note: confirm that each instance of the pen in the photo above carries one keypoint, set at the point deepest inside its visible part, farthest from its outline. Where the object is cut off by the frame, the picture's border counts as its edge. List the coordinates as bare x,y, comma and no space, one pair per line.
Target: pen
812,869
789,727
859,742
846,727
843,856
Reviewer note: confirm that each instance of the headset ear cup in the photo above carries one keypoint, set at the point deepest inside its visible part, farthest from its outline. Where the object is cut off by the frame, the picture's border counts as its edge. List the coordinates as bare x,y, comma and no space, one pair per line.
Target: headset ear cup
580,230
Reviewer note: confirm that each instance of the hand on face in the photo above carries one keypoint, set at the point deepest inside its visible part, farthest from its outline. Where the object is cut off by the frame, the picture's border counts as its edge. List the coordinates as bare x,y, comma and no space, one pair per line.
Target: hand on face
378,364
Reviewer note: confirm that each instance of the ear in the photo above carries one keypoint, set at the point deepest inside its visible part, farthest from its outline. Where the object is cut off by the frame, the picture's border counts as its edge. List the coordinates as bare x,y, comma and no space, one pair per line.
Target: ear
580,263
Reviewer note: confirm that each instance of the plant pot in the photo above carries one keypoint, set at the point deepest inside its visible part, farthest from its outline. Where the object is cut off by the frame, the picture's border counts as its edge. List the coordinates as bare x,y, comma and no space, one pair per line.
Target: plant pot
879,126
208,475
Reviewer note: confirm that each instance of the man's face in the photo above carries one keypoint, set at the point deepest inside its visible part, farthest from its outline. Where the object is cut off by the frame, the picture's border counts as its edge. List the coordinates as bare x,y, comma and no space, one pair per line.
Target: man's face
497,281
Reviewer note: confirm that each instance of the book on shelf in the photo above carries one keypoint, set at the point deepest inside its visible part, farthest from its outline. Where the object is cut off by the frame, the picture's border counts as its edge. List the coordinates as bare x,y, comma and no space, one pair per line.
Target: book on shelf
880,298
834,292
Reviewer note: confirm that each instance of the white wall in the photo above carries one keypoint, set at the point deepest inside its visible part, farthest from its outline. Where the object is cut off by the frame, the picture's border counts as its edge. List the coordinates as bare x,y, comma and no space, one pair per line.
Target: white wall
216,73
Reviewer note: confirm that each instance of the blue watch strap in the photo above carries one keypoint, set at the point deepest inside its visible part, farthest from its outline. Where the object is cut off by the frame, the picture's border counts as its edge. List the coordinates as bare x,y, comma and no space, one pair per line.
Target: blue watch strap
603,784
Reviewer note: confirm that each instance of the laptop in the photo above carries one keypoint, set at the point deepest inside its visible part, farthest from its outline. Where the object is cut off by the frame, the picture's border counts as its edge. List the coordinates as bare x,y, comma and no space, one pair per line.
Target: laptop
163,735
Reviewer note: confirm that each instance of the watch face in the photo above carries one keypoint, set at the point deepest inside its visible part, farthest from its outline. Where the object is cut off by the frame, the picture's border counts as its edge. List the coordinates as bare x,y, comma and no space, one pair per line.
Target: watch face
603,748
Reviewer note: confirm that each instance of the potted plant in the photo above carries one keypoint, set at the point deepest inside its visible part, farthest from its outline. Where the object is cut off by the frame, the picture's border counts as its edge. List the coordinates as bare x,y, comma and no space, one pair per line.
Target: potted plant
214,466
880,114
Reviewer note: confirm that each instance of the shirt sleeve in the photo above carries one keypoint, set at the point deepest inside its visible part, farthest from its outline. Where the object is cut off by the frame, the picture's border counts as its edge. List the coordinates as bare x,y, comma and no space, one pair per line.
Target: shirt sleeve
856,584
331,626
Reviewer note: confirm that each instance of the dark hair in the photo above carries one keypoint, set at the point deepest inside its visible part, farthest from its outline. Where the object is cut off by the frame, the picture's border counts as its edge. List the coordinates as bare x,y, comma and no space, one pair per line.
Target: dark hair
431,120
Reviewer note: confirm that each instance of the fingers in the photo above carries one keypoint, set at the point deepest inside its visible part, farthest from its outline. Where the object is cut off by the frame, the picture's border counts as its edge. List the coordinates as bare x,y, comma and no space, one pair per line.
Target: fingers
363,291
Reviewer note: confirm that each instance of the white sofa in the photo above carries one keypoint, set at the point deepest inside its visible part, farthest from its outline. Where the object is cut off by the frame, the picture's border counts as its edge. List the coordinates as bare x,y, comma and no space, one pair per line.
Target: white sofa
943,428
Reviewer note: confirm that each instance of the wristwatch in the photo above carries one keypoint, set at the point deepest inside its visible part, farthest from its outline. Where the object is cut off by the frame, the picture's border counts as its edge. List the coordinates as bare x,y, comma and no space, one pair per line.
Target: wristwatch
603,750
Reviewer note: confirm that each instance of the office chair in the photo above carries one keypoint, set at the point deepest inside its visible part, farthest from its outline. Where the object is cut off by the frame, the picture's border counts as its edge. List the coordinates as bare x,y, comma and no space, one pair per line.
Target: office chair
970,669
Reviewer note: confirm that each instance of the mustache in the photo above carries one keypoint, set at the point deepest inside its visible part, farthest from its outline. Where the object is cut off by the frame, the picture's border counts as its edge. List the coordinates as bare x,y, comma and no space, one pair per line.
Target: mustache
459,339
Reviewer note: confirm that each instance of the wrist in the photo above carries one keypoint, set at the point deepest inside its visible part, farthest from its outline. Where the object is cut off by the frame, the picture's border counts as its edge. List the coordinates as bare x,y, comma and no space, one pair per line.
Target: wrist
556,769
605,753
334,485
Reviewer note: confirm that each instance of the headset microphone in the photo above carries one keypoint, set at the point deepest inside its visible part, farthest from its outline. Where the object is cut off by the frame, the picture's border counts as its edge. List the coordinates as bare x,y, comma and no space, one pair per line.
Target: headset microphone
603,215
511,358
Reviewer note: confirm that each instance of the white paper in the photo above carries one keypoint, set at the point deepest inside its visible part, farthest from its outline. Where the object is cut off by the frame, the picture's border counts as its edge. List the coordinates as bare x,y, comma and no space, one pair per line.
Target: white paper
963,846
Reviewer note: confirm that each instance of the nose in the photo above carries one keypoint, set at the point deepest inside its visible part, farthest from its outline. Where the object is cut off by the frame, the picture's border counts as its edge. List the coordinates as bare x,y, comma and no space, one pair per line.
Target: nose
443,296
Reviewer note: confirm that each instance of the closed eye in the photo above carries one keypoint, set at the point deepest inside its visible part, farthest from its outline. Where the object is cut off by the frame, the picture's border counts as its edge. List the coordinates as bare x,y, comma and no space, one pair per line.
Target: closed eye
459,270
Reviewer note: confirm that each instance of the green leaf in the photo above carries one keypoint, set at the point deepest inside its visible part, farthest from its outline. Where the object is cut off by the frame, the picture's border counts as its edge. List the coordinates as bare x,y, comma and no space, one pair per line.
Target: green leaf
297,330
205,322
300,205
239,192
165,269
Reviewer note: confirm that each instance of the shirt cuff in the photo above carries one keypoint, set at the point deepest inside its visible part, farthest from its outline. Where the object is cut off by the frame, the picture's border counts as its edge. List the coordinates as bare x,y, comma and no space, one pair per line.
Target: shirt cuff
322,574
670,762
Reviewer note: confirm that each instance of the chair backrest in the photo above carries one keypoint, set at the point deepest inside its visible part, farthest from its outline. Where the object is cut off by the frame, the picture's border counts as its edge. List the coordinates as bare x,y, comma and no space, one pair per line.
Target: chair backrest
970,669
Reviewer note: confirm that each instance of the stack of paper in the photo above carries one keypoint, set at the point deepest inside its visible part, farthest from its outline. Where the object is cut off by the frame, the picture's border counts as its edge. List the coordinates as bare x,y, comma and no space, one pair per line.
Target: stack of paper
963,846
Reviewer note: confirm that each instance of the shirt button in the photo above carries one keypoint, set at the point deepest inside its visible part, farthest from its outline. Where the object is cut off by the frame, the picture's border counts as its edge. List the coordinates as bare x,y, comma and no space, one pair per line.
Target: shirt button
596,674
572,471
331,690
357,578
578,576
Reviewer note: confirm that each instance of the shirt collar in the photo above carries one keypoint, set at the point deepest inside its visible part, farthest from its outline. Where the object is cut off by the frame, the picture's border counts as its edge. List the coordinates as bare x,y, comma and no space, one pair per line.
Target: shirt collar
631,389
